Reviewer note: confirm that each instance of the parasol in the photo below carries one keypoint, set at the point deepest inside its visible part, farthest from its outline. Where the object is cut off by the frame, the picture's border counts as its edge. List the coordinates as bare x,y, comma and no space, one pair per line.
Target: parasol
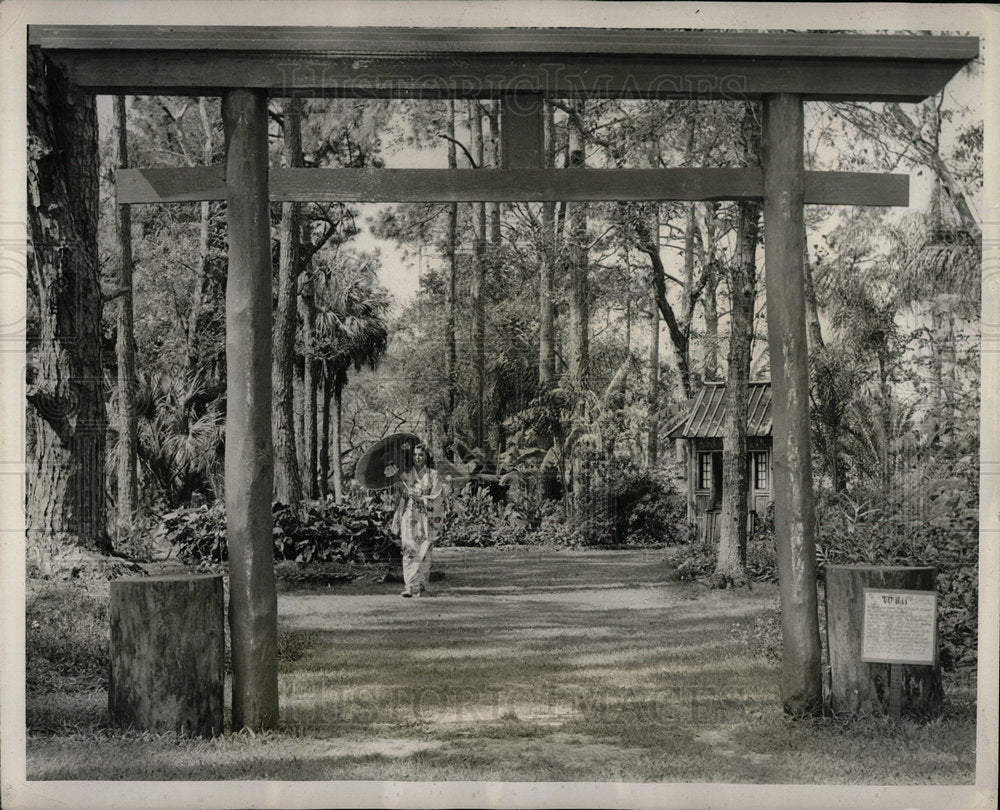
396,449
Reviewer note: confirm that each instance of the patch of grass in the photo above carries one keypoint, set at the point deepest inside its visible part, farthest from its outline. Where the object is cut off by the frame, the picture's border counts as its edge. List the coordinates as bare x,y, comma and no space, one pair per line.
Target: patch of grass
67,634
528,666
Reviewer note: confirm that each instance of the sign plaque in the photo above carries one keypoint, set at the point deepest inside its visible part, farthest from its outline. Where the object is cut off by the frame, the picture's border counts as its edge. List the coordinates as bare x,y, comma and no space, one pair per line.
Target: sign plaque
899,626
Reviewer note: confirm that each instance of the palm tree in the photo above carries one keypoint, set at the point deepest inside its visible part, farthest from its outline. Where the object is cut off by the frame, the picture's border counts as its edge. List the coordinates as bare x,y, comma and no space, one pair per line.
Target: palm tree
350,331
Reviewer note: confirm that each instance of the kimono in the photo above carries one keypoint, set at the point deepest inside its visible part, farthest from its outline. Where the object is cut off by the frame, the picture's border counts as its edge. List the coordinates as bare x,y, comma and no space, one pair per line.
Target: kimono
418,517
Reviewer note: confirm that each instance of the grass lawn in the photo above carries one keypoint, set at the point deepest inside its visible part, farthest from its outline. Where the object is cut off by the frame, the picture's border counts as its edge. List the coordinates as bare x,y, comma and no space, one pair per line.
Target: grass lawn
523,665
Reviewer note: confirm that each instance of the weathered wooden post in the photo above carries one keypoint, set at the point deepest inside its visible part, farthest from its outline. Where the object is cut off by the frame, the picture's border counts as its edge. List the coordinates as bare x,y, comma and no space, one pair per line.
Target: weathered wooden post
167,654
897,672
253,613
794,519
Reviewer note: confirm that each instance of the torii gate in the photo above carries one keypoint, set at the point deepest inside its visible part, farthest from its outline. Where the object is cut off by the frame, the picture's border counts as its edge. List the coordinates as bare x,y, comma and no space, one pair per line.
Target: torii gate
520,67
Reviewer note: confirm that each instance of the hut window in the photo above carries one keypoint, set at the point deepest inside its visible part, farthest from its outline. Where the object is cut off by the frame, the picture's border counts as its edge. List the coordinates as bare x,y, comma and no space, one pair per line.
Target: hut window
760,471
704,471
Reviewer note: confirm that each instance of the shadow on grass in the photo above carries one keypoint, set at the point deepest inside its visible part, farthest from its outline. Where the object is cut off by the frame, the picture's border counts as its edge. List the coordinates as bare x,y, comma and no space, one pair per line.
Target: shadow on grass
552,666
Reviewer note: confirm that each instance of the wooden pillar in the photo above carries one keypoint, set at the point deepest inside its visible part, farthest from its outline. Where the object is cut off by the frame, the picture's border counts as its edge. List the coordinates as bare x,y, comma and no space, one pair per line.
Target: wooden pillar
794,518
253,605
522,131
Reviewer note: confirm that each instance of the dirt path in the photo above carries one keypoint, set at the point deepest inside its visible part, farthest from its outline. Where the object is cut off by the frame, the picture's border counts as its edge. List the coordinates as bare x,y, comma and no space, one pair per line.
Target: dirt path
574,648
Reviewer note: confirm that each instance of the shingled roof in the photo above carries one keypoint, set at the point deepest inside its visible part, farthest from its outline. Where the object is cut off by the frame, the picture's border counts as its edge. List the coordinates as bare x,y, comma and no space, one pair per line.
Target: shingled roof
707,417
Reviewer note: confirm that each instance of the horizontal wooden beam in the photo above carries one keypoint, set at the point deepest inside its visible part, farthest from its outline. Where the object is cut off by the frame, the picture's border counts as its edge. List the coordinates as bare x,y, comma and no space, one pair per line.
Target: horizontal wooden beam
491,75
488,62
508,185
552,42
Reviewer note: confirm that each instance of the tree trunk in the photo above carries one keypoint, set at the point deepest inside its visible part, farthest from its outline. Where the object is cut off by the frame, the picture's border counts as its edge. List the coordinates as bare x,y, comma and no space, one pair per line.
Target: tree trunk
794,518
649,244
732,558
932,158
67,420
287,481
128,494
493,120
324,438
451,359
201,271
859,688
336,443
546,275
167,654
253,612
310,386
653,402
477,292
709,299
579,299
812,311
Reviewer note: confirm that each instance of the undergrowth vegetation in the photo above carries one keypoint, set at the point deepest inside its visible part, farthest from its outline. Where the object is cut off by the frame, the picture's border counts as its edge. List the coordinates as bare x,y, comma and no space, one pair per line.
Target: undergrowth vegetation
320,531
624,506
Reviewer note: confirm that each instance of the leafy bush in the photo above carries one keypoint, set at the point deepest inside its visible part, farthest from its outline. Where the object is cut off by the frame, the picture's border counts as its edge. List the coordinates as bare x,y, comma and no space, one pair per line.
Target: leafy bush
641,505
67,633
696,560
943,533
762,553
474,518
318,531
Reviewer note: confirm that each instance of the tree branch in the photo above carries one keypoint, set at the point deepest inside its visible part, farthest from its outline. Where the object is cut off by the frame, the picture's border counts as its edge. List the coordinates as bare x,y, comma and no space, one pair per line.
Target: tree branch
461,146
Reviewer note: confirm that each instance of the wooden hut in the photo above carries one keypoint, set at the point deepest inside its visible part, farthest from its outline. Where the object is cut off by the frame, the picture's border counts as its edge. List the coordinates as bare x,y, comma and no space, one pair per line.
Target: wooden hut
702,431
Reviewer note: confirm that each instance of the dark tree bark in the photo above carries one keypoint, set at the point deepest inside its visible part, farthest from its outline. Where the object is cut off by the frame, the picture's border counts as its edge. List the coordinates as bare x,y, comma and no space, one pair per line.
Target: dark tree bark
310,386
648,243
451,359
287,480
128,495
579,299
335,437
653,395
742,281
493,120
204,231
546,275
324,435
709,296
478,291
66,417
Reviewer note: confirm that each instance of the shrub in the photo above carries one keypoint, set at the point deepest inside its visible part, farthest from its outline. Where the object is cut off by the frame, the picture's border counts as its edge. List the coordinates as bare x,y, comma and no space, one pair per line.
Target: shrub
318,531
762,553
944,534
696,561
640,506
474,518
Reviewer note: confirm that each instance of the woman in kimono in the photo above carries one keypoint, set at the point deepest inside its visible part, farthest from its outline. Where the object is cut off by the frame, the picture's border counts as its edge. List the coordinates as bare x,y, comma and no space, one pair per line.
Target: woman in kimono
417,519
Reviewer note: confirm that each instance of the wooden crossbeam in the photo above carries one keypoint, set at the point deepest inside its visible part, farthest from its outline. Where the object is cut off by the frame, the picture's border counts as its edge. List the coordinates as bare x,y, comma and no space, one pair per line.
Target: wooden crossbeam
491,76
487,63
396,40
508,185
